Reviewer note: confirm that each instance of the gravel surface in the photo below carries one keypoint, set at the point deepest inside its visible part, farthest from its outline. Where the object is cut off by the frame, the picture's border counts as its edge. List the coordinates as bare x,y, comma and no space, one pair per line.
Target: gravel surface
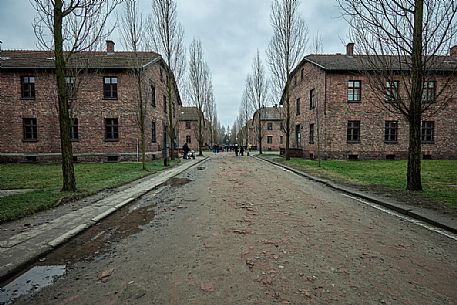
241,231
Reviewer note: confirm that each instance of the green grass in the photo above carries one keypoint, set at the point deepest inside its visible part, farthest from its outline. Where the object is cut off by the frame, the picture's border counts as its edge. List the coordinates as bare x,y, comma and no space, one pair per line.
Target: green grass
439,177
46,181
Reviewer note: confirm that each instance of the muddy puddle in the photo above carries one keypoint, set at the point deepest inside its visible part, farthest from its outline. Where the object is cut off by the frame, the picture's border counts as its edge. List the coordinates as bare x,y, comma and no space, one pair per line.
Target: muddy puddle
90,244
98,239
31,282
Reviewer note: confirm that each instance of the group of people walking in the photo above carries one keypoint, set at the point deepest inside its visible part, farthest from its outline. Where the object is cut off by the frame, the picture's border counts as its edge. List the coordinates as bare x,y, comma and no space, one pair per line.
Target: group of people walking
239,150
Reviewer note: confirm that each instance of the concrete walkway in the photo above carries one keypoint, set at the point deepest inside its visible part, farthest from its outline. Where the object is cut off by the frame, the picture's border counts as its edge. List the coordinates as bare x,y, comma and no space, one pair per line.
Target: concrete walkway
435,218
26,247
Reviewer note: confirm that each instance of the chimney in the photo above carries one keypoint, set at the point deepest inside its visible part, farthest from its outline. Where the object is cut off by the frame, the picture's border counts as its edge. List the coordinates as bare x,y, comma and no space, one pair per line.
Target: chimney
109,47
453,51
350,49
1,45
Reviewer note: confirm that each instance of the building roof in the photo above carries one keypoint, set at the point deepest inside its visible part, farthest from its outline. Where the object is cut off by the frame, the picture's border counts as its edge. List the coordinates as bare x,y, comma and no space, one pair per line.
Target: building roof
341,62
269,114
188,114
20,59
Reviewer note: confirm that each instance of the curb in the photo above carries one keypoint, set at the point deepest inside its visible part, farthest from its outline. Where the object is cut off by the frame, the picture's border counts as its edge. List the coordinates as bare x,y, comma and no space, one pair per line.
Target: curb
10,270
397,208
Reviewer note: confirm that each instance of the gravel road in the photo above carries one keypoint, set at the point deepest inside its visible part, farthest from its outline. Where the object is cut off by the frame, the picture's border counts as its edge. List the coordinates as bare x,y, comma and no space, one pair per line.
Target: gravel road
237,230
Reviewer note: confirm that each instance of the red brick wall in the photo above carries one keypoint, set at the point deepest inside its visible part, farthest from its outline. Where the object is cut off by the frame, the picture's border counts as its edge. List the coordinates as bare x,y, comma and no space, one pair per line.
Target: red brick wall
90,108
334,112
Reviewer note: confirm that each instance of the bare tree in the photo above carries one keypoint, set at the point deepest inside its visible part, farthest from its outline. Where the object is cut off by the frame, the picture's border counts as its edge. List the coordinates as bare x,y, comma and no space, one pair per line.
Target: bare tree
246,113
257,91
402,40
68,27
285,50
132,32
167,39
199,88
210,112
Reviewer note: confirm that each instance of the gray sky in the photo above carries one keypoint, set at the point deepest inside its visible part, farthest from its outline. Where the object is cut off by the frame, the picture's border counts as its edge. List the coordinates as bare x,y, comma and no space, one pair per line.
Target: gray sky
230,30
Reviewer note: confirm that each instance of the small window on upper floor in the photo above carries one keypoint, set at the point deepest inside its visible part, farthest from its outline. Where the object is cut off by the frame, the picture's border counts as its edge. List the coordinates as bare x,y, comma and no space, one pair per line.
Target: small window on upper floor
70,83
392,91
110,87
429,92
28,87
153,96
354,91
187,124
270,126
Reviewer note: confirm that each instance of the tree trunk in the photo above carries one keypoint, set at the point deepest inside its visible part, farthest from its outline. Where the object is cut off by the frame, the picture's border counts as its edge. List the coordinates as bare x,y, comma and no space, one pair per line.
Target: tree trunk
414,152
200,134
69,181
170,116
286,152
260,130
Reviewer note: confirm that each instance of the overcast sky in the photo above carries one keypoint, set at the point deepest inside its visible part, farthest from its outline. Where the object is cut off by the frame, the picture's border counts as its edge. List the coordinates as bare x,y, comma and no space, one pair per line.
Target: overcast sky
230,30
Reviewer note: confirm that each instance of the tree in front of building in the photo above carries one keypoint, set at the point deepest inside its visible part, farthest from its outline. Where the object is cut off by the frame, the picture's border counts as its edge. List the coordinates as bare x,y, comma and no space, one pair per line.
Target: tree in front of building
68,27
132,32
402,41
199,87
285,50
257,93
167,39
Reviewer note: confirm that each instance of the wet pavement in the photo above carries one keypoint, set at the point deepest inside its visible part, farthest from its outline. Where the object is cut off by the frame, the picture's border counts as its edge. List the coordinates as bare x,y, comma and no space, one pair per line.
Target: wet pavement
240,231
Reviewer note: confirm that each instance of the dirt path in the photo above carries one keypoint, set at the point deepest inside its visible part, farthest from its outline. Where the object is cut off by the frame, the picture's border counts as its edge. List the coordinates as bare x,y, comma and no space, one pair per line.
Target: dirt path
240,231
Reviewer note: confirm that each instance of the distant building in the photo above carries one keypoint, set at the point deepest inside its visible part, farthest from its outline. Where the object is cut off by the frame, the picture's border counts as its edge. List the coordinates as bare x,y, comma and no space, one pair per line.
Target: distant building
103,105
329,95
272,129
188,128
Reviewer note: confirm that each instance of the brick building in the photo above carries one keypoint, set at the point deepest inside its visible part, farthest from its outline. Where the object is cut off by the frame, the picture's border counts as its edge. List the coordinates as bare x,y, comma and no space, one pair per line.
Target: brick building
103,101
188,128
272,129
330,95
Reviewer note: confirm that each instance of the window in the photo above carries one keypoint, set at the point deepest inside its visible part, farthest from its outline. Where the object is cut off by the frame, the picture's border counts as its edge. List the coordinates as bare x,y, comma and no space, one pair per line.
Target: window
111,129
391,91
28,87
30,129
428,132
269,139
110,87
154,133
281,125
354,90
70,82
281,139
311,133
161,74
153,96
188,139
187,124
429,92
312,99
391,132
298,134
298,106
165,108
353,132
270,126
74,130
302,74
295,80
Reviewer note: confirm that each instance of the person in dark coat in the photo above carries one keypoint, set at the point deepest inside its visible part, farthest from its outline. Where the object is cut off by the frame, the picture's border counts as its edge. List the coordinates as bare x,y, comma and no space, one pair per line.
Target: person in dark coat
241,150
236,150
185,149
